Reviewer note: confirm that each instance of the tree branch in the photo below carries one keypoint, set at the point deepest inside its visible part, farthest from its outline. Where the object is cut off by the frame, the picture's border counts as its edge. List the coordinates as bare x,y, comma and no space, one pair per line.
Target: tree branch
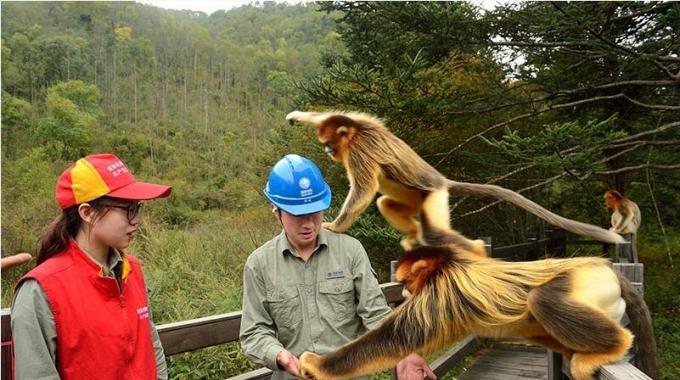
652,106
638,167
646,133
617,46
524,116
653,142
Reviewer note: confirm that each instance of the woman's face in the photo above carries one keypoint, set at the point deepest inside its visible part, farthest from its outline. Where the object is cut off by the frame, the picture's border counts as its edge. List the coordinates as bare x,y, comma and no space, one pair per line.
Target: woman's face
115,224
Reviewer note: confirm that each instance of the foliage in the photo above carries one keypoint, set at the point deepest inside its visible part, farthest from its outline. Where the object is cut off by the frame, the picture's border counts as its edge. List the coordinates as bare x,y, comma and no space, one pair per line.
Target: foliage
564,99
529,94
570,146
72,109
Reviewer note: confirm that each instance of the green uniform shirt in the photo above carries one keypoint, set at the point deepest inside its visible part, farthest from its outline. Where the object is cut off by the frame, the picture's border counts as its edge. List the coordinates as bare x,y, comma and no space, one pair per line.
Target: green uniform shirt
35,333
314,306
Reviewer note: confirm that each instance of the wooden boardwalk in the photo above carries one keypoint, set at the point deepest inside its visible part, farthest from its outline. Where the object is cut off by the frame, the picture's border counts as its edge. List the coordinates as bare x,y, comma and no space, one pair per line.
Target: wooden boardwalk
508,362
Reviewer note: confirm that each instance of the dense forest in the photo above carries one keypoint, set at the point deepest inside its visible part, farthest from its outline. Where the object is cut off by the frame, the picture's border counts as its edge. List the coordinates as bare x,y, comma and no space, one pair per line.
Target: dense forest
560,101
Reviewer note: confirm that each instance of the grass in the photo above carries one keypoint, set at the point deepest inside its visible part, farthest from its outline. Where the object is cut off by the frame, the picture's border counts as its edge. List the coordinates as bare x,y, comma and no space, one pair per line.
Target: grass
662,294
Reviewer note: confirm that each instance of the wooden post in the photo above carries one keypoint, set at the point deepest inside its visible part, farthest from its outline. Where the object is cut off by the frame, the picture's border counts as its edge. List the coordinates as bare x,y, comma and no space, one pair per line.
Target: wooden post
623,253
633,247
393,270
555,366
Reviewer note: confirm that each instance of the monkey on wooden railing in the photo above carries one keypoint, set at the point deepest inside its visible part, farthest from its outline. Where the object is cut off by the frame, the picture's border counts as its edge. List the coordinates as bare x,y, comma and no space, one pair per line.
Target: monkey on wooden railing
378,161
626,217
573,306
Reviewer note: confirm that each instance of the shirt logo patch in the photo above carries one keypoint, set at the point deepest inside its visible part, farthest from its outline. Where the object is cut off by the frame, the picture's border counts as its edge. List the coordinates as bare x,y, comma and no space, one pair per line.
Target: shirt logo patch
338,273
143,312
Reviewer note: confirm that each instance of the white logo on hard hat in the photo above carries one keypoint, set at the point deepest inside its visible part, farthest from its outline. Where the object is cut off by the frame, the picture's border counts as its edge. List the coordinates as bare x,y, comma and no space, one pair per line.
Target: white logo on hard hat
305,191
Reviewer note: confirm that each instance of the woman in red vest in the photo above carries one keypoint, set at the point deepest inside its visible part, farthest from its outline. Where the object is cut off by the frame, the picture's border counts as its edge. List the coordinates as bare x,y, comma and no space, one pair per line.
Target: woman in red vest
82,312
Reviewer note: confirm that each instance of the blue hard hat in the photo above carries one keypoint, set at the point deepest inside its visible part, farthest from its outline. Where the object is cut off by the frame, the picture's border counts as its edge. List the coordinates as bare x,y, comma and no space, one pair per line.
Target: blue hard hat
296,186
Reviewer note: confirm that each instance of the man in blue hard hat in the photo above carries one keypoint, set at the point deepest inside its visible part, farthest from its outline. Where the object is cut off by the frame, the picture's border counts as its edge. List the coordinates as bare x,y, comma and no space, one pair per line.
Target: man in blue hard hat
308,289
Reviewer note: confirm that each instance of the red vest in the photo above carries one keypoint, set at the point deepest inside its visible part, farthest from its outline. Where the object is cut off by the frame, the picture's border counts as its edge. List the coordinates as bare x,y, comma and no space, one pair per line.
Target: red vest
102,333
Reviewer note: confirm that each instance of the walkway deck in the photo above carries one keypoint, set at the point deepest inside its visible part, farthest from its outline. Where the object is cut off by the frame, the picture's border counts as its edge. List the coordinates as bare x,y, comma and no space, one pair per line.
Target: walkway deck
509,362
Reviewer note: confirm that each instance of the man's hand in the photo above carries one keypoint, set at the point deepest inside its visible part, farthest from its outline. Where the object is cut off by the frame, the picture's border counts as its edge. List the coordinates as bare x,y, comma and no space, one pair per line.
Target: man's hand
414,367
289,362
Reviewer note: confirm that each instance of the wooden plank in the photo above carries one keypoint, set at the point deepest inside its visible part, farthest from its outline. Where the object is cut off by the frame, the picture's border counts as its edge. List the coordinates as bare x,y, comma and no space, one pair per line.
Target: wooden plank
621,370
555,366
623,253
198,333
6,354
634,272
508,362
392,292
440,366
194,334
454,355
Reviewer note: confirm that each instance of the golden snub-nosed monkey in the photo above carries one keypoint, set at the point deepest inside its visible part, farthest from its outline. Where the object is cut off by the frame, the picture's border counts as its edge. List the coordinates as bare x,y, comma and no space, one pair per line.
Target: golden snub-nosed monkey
626,217
573,306
378,161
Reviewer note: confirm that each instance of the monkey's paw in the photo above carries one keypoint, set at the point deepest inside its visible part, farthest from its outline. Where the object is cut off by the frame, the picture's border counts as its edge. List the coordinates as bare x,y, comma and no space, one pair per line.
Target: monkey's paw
293,117
309,366
408,243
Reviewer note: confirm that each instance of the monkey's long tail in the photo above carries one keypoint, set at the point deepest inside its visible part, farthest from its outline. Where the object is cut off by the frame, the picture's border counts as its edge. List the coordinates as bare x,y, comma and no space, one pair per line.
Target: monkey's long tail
641,326
507,195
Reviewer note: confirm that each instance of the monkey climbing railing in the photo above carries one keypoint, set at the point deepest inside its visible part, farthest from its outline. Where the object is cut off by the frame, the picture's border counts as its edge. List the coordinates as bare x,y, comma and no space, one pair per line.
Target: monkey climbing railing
195,334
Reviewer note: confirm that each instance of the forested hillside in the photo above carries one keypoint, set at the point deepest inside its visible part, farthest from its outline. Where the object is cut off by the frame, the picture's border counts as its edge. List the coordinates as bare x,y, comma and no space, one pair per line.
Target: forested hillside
183,98
559,100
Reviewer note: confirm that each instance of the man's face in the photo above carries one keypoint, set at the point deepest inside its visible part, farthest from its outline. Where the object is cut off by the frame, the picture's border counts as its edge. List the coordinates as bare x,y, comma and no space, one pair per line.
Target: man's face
302,230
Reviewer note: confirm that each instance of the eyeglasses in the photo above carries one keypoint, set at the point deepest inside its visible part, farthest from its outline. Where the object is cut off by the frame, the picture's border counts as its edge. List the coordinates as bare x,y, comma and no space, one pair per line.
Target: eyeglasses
133,209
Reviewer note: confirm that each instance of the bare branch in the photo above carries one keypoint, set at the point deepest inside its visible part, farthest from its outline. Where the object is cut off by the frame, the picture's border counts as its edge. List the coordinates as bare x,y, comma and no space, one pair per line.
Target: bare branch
539,44
524,116
621,153
639,167
647,133
652,106
668,58
665,142
560,93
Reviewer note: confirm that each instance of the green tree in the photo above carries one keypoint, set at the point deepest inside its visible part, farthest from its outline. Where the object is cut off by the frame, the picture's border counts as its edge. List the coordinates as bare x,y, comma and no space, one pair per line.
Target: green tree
72,110
600,78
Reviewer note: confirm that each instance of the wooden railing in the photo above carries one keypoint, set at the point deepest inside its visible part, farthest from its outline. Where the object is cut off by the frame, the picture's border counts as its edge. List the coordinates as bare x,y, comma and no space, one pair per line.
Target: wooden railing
199,333
195,334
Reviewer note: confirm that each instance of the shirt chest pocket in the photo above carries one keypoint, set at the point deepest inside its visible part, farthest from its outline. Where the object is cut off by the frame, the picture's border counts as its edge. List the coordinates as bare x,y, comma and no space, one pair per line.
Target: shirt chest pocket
337,298
284,303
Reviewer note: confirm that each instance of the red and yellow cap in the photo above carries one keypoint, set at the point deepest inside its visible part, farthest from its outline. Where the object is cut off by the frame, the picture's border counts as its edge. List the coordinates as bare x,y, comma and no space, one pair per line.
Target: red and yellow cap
103,174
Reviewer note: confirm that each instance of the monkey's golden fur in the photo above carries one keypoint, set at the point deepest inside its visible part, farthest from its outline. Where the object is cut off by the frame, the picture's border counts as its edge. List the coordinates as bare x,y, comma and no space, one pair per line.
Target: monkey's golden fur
570,305
378,161
626,217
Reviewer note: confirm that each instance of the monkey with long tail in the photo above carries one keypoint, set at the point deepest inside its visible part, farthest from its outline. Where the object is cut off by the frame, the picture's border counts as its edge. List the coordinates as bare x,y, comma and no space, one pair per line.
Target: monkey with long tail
378,161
